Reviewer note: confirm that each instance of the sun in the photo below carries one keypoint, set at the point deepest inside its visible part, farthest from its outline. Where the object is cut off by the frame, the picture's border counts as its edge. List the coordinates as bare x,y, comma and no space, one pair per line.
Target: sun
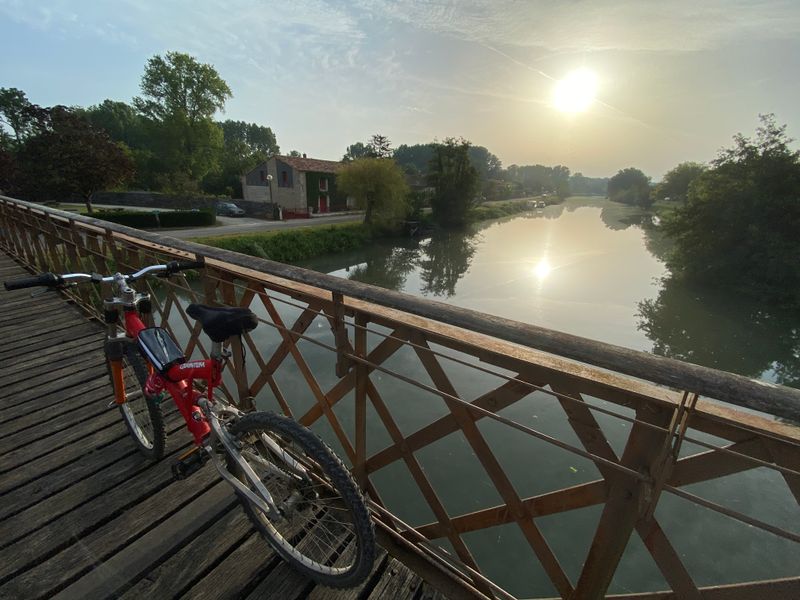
576,92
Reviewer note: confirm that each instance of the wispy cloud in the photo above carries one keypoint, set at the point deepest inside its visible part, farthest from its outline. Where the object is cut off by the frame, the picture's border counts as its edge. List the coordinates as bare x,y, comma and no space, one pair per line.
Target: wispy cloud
677,25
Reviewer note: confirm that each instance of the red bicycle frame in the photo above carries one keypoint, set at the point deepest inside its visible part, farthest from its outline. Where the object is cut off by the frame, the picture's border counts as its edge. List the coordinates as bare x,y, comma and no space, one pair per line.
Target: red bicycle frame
178,381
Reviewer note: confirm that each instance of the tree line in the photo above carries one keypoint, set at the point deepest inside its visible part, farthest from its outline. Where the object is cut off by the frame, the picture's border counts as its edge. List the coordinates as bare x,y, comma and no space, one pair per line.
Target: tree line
734,221
166,139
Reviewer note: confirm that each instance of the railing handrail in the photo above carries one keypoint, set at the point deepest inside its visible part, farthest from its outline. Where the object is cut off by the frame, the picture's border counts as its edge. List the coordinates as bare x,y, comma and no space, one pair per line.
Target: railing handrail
774,399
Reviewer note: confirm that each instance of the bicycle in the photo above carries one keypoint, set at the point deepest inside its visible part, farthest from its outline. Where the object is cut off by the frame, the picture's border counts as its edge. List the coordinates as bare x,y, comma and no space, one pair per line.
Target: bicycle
294,489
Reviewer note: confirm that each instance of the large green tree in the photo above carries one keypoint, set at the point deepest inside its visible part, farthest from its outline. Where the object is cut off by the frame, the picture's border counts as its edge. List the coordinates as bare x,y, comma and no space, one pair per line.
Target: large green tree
455,180
378,187
630,186
739,225
675,185
245,146
70,157
179,99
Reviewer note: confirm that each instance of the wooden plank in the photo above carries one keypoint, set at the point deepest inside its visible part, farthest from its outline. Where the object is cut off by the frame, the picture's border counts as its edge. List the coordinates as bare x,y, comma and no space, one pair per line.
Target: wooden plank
49,435
397,582
91,389
151,513
37,340
137,558
282,582
39,379
47,464
86,517
182,569
85,466
73,497
321,592
48,387
28,359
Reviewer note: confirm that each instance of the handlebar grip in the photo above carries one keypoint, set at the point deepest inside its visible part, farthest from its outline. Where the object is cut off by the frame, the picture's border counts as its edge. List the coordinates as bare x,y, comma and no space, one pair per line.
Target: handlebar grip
45,279
174,266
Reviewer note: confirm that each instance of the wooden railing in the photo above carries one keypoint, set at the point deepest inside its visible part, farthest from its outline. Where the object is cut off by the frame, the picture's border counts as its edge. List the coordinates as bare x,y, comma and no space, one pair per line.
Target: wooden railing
486,445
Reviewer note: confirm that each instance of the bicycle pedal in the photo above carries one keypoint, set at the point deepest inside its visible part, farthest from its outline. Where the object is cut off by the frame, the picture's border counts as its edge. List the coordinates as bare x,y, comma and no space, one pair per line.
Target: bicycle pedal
189,463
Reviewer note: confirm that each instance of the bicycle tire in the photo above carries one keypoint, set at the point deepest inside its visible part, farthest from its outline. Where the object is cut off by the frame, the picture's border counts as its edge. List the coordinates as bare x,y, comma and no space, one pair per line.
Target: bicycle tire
141,413
348,561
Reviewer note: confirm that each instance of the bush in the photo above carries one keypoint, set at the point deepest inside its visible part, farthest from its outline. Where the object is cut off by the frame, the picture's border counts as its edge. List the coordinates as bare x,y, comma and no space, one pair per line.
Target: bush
149,220
499,209
297,244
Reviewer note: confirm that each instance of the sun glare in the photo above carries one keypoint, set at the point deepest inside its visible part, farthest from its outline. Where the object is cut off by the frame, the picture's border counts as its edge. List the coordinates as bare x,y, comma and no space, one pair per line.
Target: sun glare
543,269
576,92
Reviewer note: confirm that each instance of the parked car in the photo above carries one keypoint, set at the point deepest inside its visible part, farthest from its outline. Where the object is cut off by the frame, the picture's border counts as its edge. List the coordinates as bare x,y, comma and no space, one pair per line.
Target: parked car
229,209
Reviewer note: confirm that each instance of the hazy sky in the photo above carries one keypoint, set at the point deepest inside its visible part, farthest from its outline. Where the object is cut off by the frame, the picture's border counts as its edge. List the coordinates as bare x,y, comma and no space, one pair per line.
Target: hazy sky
676,78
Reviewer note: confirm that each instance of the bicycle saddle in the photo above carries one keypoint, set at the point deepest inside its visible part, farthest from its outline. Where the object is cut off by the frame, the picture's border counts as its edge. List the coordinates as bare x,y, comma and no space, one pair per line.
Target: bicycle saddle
221,323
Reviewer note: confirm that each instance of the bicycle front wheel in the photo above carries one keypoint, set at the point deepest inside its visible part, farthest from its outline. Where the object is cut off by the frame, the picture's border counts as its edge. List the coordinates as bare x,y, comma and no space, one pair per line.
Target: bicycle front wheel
142,414
324,530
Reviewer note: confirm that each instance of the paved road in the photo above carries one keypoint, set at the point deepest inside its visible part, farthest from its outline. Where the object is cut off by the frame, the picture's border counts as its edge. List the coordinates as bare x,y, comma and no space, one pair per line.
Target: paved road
231,225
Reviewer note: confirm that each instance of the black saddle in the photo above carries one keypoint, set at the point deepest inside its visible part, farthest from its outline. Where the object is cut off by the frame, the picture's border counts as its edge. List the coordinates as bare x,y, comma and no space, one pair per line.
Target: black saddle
221,323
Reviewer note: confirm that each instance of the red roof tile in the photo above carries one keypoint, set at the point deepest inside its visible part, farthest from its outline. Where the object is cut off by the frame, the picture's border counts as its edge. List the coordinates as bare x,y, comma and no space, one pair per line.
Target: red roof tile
311,164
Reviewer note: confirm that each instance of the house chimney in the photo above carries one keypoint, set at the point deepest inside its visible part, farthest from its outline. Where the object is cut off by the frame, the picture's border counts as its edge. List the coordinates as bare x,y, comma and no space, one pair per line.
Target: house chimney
304,155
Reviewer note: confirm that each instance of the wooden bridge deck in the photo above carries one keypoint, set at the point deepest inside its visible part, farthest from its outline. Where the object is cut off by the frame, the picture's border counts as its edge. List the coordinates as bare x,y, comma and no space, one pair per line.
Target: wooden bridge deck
82,515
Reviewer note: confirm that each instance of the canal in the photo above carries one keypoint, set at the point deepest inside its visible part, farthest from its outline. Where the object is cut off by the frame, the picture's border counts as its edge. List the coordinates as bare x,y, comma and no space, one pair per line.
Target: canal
591,268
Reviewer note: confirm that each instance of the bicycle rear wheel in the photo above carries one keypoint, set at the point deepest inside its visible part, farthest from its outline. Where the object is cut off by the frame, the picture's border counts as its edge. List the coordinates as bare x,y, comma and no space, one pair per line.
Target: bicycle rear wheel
142,414
325,531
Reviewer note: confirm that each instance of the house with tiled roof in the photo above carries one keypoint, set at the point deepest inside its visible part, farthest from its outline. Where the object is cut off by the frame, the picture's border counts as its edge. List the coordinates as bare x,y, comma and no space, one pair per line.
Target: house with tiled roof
297,184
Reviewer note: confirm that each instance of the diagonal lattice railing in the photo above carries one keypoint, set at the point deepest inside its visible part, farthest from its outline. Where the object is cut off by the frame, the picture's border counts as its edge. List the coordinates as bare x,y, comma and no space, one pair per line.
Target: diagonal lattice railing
463,427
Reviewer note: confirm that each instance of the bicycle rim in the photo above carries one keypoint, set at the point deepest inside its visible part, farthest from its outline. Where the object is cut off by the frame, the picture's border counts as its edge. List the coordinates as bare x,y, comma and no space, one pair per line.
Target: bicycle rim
324,529
136,411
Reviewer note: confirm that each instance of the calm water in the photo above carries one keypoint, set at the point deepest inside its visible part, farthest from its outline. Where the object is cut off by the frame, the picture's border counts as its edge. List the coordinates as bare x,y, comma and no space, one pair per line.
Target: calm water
595,269
591,268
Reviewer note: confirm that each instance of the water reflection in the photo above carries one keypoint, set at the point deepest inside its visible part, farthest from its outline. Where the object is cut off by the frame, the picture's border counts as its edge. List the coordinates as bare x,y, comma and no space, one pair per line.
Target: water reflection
438,263
446,259
722,331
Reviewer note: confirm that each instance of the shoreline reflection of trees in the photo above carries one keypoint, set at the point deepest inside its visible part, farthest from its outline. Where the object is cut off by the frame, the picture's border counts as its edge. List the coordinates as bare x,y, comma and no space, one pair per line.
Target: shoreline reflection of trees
446,259
442,260
721,331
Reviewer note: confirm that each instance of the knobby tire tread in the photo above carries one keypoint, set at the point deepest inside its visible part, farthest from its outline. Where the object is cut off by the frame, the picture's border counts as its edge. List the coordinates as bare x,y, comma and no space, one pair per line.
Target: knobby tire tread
134,358
341,480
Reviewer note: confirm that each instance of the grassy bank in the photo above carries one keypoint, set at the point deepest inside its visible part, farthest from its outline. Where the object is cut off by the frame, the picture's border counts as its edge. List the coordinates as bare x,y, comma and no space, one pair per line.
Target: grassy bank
295,244
505,208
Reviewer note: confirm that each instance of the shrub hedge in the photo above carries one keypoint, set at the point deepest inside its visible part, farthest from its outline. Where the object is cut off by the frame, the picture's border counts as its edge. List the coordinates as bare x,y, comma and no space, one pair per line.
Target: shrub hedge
295,244
150,220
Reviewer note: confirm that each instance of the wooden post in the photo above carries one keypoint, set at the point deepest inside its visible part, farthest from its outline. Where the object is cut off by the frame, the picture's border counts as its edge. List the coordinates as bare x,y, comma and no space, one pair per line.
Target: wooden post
362,377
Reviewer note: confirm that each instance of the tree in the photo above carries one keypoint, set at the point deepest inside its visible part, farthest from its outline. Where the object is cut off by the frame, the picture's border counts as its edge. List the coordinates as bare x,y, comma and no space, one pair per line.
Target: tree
675,185
120,120
630,186
417,156
456,181
356,151
378,187
179,99
71,158
295,153
179,85
245,146
21,116
380,146
738,227
486,163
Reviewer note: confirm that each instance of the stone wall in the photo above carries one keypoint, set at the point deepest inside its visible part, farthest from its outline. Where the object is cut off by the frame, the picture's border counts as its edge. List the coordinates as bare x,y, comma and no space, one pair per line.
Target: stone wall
156,200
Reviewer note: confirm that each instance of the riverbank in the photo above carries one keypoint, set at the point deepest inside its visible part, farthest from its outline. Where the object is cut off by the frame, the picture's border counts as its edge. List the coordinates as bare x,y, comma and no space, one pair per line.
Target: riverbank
297,244
325,239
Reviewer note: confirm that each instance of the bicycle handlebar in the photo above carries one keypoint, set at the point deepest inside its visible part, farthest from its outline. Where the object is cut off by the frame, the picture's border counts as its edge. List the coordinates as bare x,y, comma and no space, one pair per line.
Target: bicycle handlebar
53,280
45,279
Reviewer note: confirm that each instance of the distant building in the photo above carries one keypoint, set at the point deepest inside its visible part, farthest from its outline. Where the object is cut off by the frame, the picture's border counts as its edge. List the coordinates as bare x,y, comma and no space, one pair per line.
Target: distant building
299,184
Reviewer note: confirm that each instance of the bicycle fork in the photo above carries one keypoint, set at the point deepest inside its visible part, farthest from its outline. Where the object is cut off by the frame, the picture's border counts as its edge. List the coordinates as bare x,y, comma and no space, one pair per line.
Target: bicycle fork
262,499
